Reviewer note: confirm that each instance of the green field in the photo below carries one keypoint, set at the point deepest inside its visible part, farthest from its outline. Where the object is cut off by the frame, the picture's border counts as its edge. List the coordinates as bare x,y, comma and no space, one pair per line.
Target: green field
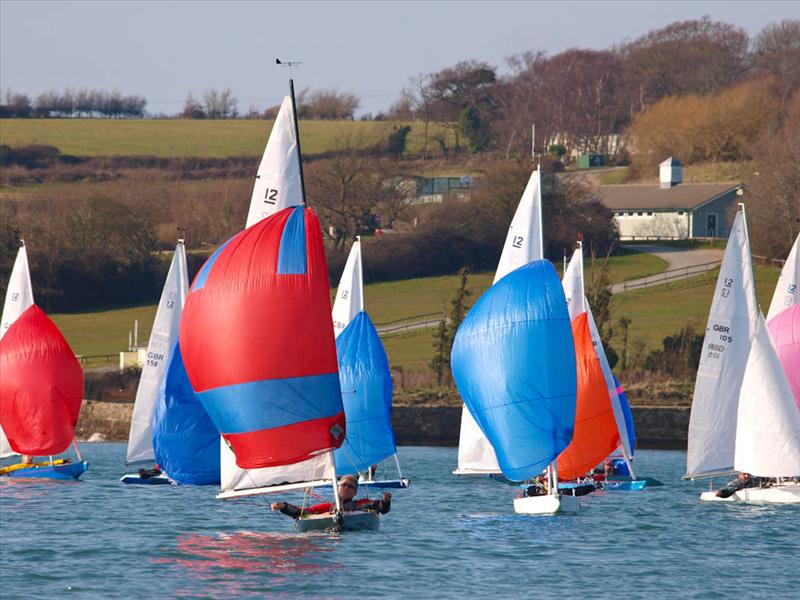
106,332
197,138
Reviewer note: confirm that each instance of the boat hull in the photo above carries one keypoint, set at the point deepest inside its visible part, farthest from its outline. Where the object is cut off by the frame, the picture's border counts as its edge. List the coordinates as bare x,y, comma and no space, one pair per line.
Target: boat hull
777,494
625,486
546,505
386,483
62,472
351,521
136,479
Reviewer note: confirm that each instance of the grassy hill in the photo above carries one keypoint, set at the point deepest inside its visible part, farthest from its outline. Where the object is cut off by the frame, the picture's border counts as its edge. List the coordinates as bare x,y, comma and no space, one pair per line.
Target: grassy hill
106,332
198,138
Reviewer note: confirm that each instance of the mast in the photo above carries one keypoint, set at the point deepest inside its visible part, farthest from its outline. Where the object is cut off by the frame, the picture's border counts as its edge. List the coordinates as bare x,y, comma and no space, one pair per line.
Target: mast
749,253
297,137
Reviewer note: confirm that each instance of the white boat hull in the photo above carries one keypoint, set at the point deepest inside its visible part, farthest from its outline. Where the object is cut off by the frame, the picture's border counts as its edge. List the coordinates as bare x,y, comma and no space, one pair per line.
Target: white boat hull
351,521
778,494
546,505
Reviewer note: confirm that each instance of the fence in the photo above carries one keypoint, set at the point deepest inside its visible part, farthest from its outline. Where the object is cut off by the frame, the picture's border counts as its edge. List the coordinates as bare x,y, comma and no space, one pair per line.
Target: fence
769,262
426,321
86,358
670,275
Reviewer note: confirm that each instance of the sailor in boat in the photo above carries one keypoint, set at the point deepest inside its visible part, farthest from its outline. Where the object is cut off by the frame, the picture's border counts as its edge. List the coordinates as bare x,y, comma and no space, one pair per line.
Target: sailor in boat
348,489
742,481
148,473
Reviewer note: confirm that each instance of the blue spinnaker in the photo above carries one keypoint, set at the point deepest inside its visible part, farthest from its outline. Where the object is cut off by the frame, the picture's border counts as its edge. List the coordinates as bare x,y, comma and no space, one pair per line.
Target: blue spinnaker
626,411
185,440
513,361
367,396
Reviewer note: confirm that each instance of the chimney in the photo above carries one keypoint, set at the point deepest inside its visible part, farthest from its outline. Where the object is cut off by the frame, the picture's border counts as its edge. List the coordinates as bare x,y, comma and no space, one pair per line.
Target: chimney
670,172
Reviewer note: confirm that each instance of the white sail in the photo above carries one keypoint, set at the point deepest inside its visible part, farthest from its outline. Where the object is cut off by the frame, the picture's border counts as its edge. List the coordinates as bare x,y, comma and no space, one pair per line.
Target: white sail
524,244
278,184
768,425
726,346
350,293
19,295
236,481
787,292
162,340
19,298
573,283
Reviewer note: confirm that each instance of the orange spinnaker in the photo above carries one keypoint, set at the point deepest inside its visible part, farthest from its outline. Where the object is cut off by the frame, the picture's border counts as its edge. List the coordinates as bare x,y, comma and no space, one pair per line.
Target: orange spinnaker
596,434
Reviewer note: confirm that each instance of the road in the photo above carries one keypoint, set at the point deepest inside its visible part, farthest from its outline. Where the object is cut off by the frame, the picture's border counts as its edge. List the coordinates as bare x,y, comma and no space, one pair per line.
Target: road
692,260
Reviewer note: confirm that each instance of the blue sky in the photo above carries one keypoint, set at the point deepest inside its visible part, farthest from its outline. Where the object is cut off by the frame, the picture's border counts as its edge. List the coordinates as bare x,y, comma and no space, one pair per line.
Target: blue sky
164,50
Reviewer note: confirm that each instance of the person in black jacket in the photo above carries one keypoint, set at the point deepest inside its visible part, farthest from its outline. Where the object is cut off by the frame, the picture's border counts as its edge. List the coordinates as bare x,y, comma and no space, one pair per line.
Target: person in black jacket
742,481
348,488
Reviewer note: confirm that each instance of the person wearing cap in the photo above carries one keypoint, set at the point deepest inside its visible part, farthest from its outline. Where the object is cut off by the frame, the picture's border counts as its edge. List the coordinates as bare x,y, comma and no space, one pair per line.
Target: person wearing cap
348,488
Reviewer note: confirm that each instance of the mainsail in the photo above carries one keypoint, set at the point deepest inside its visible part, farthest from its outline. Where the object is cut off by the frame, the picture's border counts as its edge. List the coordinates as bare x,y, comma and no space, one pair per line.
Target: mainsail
768,424
726,346
19,297
523,244
787,291
257,341
163,338
527,413
350,293
278,182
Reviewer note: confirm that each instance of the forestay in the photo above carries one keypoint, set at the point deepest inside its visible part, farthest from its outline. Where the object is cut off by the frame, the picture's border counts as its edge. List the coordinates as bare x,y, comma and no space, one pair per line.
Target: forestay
768,425
350,293
528,414
278,184
523,244
726,346
787,293
163,338
19,297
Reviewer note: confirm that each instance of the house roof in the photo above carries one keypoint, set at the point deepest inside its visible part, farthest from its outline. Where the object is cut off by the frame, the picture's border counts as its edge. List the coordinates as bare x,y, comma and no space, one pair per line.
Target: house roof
671,162
651,197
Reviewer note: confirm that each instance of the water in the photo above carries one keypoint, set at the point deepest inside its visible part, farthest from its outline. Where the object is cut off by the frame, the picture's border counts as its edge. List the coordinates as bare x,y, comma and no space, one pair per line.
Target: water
445,538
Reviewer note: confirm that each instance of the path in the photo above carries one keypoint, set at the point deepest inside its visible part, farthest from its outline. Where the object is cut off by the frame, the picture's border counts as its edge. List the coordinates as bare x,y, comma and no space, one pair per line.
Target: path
683,263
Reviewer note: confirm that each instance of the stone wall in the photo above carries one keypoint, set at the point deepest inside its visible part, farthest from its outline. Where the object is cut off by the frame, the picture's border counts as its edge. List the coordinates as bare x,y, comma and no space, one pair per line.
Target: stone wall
656,427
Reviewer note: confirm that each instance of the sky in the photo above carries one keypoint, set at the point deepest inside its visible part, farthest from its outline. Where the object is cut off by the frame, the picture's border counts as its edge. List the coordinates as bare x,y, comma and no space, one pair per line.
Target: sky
164,50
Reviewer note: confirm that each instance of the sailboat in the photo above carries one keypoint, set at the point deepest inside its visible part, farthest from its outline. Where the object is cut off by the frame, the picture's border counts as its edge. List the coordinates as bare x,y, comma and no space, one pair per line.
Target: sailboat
523,244
744,416
160,347
513,362
41,388
258,343
365,380
600,427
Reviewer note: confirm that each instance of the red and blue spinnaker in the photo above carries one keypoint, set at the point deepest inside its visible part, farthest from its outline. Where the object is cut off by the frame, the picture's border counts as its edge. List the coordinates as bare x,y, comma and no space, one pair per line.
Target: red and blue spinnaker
257,342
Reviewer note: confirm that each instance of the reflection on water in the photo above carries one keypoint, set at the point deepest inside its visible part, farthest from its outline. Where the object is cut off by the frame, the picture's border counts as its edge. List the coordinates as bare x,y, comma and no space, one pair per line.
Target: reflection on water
209,560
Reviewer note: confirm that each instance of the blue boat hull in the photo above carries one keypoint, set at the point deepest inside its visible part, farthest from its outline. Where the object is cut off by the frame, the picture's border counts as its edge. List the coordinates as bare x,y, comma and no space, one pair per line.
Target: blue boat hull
386,483
625,486
63,472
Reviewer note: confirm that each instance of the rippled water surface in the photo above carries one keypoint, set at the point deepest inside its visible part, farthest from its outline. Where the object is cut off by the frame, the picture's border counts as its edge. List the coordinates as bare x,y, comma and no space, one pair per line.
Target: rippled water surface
445,537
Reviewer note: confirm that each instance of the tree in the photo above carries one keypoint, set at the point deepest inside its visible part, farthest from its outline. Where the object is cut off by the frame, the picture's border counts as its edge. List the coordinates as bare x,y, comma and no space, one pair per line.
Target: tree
219,104
397,141
776,50
471,127
448,326
327,104
192,109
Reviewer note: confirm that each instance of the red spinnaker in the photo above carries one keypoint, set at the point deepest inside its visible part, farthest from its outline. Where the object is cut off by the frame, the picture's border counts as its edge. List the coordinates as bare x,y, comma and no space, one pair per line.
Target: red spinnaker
41,386
596,434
